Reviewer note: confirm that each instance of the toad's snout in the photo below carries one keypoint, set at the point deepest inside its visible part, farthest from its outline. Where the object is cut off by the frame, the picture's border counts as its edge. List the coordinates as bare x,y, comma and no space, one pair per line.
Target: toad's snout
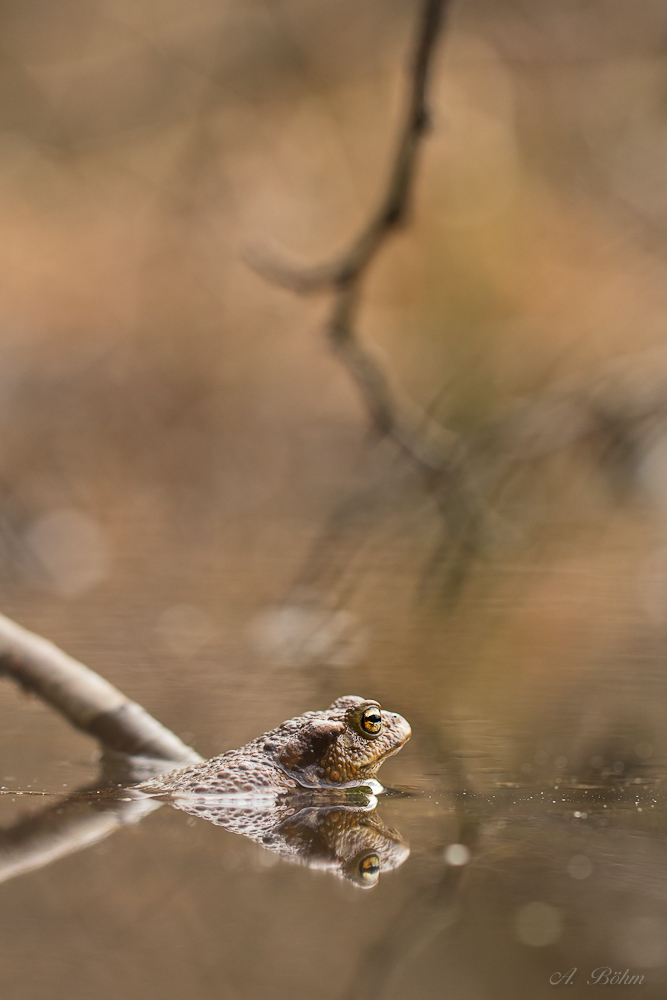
401,728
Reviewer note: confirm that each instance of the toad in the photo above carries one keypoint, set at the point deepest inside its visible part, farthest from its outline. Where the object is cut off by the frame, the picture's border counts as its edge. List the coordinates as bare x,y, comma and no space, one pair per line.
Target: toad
341,747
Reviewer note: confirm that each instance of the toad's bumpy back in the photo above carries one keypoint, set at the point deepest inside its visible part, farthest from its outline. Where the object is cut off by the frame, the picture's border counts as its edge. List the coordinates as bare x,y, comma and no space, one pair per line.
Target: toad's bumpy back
339,748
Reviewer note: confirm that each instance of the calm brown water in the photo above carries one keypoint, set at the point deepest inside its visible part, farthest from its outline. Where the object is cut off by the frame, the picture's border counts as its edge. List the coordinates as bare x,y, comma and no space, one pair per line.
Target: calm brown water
536,823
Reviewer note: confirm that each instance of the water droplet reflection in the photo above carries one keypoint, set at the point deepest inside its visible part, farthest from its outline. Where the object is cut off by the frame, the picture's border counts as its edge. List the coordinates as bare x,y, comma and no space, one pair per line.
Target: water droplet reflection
579,866
538,924
69,550
457,855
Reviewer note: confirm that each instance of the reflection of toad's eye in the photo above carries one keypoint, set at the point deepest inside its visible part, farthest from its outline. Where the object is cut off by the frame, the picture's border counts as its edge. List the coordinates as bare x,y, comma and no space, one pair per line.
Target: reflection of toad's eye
369,868
371,722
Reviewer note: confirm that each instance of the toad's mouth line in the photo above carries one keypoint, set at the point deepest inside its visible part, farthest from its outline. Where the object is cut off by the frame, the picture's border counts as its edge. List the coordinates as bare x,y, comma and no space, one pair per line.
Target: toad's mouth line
391,751
374,764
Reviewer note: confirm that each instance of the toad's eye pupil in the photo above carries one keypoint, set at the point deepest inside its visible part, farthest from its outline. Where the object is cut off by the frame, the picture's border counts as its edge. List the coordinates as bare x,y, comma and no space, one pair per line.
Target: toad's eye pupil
369,867
371,721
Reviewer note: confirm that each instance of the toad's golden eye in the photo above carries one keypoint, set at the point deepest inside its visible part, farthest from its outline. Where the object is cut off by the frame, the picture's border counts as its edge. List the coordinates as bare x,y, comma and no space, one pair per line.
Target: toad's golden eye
371,721
369,867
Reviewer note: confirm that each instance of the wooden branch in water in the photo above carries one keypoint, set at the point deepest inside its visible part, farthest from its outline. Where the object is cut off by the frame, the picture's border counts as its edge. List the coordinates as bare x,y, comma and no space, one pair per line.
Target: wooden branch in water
88,701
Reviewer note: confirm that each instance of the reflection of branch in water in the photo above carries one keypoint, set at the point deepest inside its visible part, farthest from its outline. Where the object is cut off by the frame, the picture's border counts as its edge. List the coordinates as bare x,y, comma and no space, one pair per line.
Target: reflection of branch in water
124,729
335,832
84,698
63,829
341,834
84,818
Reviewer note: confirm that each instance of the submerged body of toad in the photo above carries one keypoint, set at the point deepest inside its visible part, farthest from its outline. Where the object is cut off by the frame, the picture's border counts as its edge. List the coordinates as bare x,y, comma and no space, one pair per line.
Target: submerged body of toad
342,747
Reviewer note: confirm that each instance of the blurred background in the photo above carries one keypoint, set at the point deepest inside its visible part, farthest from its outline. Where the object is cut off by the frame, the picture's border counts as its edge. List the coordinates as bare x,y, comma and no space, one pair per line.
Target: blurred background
192,502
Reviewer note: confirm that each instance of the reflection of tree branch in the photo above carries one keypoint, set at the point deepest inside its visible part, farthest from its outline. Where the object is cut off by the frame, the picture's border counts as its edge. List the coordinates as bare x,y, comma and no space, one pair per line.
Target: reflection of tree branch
66,827
86,699
423,439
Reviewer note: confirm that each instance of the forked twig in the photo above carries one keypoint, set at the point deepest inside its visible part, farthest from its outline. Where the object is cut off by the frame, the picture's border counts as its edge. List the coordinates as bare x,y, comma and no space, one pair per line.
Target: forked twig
423,439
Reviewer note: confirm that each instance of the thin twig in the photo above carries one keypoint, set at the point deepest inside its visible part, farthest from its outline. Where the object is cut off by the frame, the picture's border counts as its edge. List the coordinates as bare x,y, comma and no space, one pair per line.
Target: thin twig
423,439
392,413
394,204
86,699
467,473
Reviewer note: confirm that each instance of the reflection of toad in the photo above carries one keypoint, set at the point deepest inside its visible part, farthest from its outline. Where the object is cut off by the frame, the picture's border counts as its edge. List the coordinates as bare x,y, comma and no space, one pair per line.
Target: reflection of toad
342,747
335,831
347,841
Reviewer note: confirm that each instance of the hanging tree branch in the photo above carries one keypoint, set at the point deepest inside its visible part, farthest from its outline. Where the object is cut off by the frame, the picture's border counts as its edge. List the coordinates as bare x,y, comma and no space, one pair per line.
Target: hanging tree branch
614,408
395,203
423,439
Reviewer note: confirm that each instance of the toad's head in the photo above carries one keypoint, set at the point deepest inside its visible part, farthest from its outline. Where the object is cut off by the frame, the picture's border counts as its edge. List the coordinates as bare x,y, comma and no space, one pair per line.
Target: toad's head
344,745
